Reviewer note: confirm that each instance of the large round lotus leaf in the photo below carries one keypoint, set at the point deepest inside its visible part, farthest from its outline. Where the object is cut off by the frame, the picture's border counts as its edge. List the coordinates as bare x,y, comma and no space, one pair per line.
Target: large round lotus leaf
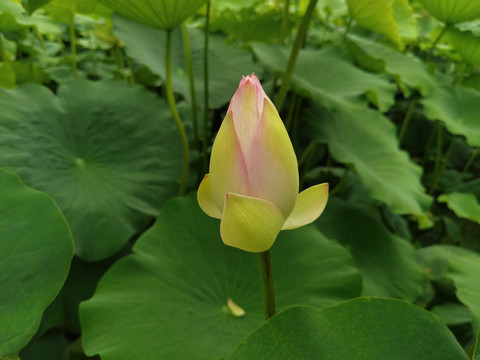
107,153
168,299
36,248
453,11
160,14
360,329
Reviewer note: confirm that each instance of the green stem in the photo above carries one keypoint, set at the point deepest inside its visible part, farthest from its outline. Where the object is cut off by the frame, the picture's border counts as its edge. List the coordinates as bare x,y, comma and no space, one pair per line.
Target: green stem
406,120
471,159
130,68
120,60
436,171
73,44
191,82
284,25
306,153
176,116
430,54
266,276
302,31
281,39
94,57
205,87
347,29
340,184
428,145
308,162
2,49
291,112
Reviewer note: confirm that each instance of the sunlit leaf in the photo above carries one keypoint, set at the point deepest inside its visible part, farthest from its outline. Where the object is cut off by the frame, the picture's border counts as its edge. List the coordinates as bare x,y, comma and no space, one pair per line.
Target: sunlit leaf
168,299
107,153
367,140
330,78
36,248
465,43
464,205
32,5
346,331
160,14
392,18
453,12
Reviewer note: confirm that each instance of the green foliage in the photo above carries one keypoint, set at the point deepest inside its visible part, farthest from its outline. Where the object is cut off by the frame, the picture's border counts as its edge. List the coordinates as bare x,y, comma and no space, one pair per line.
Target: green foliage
177,282
383,104
109,151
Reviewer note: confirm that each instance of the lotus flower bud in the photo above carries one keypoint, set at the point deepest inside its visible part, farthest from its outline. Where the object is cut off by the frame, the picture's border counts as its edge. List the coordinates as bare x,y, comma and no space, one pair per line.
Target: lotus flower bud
253,181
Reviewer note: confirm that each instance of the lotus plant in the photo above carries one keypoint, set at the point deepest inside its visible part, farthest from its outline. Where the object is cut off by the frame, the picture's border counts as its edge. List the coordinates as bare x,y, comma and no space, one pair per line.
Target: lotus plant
253,181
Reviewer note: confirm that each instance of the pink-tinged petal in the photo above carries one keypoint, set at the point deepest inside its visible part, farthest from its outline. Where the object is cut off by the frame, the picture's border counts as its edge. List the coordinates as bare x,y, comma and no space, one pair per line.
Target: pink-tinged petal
309,206
228,171
205,199
247,107
250,224
272,167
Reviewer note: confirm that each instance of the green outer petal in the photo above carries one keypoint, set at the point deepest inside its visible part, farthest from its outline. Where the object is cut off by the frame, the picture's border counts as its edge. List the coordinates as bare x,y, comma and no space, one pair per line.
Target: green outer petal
205,199
228,170
249,223
309,206
272,168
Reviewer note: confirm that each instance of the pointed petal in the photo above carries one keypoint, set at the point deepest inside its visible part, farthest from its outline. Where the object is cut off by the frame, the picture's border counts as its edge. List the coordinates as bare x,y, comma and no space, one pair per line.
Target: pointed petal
205,199
228,171
272,167
250,224
247,107
309,206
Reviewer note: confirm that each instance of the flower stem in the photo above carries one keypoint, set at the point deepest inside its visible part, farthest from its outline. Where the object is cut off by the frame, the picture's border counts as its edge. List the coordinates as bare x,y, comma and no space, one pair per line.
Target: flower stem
191,82
205,88
176,116
406,120
302,31
73,44
471,159
434,45
2,50
266,275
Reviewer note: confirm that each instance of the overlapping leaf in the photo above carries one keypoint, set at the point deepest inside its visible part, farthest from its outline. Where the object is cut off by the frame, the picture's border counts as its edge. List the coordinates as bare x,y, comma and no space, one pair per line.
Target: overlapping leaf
107,153
36,248
367,140
409,72
346,331
330,78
